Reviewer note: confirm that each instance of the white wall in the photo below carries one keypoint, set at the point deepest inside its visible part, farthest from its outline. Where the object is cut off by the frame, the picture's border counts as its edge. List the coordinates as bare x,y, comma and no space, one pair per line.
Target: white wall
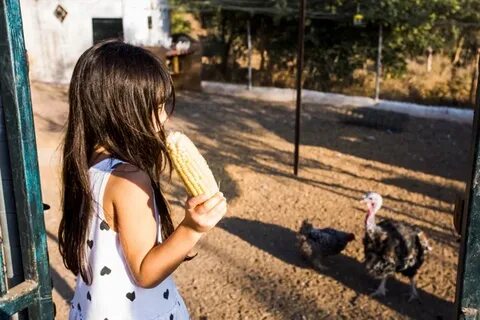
54,46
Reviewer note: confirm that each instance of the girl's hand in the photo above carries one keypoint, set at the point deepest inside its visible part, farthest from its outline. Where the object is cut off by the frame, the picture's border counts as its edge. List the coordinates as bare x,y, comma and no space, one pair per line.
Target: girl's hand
202,213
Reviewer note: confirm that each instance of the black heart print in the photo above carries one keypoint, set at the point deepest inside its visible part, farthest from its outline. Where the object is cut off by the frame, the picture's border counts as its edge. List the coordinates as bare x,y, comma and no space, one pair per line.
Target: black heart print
89,297
78,306
90,243
104,225
104,271
171,317
165,294
131,295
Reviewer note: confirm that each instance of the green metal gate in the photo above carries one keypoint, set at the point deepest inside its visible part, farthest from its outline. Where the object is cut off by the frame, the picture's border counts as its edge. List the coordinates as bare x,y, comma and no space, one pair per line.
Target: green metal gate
25,282
468,276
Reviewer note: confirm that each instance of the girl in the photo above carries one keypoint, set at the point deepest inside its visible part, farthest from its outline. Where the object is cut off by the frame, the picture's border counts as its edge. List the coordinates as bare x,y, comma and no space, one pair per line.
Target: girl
116,233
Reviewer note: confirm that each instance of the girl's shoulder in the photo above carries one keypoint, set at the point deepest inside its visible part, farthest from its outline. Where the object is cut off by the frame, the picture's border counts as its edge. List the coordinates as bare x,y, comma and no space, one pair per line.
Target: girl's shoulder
129,198
127,180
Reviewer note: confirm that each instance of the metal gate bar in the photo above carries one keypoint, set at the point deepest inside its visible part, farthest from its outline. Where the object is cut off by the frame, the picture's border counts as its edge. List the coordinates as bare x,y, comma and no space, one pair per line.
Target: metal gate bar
468,274
34,292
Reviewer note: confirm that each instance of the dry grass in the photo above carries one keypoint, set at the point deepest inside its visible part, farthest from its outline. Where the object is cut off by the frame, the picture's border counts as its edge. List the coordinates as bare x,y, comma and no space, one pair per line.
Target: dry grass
443,85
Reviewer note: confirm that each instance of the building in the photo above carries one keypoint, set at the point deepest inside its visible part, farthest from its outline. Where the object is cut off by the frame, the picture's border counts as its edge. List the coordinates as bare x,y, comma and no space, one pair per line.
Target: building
57,32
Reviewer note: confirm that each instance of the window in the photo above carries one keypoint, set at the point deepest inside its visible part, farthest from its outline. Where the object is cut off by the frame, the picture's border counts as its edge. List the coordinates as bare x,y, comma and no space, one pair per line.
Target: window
107,29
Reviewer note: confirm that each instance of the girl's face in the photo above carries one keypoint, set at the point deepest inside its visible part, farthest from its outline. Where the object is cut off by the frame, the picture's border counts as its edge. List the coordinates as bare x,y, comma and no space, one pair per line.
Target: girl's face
162,115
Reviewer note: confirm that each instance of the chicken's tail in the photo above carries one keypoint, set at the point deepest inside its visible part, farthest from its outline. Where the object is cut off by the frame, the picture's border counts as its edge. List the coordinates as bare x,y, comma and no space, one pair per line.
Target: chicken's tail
304,246
306,227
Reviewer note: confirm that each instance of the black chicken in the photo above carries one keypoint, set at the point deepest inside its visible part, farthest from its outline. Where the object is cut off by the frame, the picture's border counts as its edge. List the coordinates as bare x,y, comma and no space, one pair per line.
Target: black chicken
392,247
316,244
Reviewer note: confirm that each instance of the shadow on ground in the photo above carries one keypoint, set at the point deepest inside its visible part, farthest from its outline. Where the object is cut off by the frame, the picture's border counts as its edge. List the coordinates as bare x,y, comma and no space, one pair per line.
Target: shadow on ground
435,147
59,284
431,146
425,145
278,298
280,242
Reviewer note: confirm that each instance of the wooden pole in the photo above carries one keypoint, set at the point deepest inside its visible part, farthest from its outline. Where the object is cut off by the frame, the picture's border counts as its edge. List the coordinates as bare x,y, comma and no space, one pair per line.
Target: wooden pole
300,47
474,84
379,63
249,45
429,59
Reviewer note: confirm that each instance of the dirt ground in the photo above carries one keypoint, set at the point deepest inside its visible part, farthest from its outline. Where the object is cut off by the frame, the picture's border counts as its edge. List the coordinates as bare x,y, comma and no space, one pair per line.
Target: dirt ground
249,267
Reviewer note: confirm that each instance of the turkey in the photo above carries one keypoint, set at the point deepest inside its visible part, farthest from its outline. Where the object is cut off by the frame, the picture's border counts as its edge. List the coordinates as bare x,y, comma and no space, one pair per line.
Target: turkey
316,244
392,247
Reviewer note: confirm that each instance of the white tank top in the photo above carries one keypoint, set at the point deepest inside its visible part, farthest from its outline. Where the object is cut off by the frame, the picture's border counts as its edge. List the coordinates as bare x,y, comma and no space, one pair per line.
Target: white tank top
113,294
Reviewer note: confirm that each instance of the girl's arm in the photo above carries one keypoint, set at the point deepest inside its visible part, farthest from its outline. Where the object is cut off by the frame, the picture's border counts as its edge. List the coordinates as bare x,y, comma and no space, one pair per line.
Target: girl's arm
132,198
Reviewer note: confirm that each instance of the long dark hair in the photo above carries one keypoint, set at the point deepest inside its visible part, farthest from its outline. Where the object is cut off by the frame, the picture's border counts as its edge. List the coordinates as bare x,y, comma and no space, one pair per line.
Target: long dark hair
114,97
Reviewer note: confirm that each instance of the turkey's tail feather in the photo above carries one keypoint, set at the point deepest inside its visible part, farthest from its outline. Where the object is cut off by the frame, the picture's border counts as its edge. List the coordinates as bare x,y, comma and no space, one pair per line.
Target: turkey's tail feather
423,240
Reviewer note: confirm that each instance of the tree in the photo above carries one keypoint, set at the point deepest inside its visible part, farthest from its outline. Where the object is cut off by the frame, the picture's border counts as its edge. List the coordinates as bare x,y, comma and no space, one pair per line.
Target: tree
334,48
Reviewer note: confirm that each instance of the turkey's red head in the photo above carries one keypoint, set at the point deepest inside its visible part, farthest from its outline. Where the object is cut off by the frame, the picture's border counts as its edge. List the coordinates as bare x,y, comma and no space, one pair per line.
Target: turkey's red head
373,201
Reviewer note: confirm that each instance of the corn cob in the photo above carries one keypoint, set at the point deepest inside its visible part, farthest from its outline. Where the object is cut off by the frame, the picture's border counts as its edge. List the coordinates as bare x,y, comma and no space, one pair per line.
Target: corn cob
190,165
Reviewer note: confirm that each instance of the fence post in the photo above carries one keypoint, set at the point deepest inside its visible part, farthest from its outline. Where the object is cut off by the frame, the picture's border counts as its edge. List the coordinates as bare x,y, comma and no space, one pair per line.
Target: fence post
378,75
300,49
249,46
